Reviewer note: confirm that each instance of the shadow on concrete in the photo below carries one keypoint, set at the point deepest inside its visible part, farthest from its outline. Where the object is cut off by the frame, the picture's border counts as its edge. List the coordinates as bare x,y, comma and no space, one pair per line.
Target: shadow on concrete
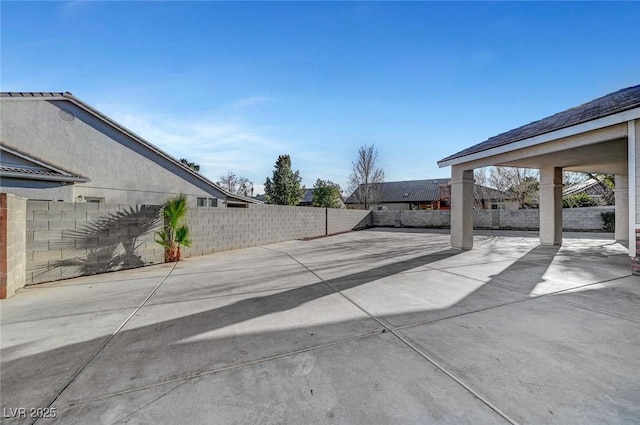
141,355
108,243
20,374
515,283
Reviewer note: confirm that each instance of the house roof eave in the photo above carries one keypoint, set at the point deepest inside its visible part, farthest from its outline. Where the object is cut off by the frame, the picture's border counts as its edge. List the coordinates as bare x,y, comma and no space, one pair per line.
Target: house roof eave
43,177
52,172
67,96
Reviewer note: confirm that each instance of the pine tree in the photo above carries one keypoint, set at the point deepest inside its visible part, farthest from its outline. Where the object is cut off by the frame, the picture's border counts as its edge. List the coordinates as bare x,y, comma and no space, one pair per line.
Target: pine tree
284,188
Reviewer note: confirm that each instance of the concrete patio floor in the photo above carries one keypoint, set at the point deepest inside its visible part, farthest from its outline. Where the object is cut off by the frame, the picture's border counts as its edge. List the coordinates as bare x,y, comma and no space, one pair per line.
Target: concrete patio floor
384,326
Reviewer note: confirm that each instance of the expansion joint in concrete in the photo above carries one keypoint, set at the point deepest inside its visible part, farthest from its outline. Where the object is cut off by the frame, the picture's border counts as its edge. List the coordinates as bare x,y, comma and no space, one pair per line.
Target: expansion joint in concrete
104,345
185,379
437,365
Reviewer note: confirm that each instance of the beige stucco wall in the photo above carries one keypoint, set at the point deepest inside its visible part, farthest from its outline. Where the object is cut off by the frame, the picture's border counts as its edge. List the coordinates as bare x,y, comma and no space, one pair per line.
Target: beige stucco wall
120,169
41,191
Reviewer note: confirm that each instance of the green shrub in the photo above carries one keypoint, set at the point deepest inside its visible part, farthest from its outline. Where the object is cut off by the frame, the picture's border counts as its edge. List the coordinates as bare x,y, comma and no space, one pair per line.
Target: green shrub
579,200
609,219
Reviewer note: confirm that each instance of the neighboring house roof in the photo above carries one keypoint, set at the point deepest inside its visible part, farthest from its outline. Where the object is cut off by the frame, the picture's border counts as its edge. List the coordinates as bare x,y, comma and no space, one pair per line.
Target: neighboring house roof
15,164
71,98
612,103
488,193
591,187
420,191
308,197
408,191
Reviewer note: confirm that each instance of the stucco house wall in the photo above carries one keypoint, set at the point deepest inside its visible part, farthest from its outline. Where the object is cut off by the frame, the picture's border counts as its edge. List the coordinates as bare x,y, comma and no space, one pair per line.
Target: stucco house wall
120,168
38,190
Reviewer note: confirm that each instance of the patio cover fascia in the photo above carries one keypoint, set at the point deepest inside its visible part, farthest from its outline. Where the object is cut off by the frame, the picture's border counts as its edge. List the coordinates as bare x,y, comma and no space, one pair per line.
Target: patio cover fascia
612,127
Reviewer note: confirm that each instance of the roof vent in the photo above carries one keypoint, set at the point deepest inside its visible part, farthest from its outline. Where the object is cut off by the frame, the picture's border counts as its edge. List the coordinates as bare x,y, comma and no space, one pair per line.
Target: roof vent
405,194
66,115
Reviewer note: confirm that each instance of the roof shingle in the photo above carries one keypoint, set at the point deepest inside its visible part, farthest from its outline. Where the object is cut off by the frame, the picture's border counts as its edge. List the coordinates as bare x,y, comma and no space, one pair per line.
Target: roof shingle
610,104
409,191
422,191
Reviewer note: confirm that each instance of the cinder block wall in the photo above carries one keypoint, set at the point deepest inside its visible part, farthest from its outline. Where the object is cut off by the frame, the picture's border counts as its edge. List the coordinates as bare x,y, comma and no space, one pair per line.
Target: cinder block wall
13,211
581,219
66,239
521,219
584,218
341,220
63,239
404,218
223,229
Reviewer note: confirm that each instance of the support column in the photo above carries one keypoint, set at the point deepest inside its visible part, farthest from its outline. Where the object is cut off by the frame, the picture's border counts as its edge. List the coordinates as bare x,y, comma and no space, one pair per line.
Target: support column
622,208
633,138
461,208
551,206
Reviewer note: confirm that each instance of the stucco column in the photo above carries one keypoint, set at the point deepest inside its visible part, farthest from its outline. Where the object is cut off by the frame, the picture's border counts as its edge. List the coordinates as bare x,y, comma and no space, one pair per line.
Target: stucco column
551,206
633,169
622,208
461,208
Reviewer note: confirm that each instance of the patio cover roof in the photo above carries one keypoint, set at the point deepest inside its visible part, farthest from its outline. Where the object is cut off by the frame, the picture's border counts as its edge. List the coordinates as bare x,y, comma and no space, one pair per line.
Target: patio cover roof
611,109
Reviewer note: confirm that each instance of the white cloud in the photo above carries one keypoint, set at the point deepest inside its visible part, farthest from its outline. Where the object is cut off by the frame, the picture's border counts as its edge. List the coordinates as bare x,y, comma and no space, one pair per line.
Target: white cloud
224,139
217,144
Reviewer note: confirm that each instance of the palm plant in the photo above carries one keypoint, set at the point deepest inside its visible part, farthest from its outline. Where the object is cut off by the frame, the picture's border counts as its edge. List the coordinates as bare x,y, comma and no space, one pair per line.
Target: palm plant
175,233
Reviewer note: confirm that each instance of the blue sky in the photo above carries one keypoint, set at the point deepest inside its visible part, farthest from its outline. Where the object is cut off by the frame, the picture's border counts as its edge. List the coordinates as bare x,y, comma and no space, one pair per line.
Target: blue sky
233,85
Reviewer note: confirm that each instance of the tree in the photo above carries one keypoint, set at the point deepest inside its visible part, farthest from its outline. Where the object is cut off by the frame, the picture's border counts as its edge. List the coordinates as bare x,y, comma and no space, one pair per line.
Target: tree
229,182
365,177
245,187
521,185
570,178
284,188
481,192
175,232
192,165
326,194
236,185
483,195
